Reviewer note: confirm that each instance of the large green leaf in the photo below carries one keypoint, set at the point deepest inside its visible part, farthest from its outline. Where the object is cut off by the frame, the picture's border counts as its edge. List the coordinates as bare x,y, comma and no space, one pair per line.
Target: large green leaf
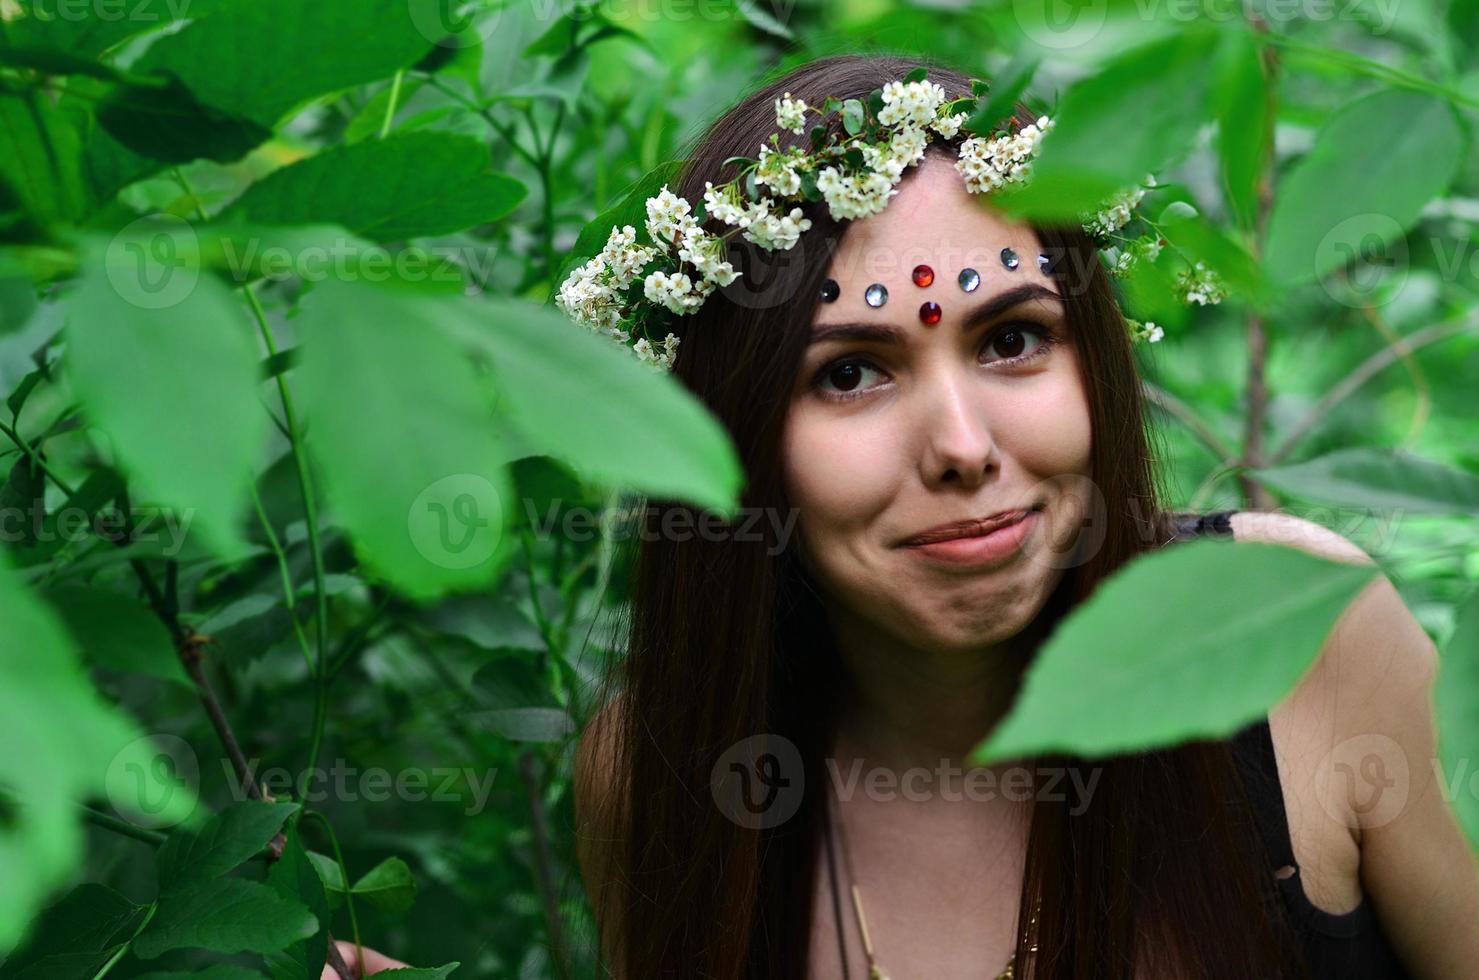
1242,115
227,840
162,360
1456,698
293,876
402,427
1356,192
258,60
76,936
88,29
1191,641
405,186
226,915
580,397
1368,477
63,745
40,158
117,631
216,971
167,123
1103,138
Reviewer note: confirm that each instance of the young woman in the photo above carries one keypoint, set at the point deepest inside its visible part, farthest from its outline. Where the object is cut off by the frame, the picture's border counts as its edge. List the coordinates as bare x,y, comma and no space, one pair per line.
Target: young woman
797,663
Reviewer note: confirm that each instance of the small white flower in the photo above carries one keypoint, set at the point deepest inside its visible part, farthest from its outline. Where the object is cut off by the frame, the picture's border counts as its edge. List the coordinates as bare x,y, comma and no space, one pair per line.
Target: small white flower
722,204
948,126
705,253
773,230
855,196
910,103
1115,213
675,291
624,257
779,171
790,114
1200,285
668,215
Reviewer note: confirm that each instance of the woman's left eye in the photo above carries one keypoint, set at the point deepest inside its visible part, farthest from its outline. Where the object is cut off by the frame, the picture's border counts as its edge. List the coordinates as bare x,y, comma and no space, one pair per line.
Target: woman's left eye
1011,341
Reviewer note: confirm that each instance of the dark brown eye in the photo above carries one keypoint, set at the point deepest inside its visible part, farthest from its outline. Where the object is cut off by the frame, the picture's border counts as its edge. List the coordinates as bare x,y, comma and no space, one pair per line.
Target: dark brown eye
1009,344
845,376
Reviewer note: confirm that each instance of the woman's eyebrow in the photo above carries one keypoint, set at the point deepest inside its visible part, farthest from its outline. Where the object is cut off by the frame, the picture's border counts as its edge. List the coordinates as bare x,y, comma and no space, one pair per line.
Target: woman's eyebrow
888,333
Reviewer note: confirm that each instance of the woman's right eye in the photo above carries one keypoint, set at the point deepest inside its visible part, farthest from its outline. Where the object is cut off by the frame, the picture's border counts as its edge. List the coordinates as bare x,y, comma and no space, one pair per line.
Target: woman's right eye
847,375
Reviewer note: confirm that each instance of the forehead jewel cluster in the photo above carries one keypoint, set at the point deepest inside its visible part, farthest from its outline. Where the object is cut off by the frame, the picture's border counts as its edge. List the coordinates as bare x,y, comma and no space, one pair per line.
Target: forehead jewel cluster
642,278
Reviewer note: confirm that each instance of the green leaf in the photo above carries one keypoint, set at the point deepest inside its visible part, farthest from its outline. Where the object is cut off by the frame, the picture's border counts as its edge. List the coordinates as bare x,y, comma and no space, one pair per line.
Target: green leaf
1100,143
582,398
293,876
227,840
64,745
421,972
117,631
76,936
162,361
167,123
216,971
1388,478
1355,192
852,116
1217,658
406,186
1010,85
629,209
259,60
40,158
916,74
527,724
1456,700
1242,112
512,681
89,29
759,17
389,886
225,915
428,500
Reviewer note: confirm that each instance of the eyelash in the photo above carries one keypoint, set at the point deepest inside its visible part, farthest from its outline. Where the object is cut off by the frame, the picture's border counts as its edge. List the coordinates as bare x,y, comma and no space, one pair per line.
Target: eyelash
1050,340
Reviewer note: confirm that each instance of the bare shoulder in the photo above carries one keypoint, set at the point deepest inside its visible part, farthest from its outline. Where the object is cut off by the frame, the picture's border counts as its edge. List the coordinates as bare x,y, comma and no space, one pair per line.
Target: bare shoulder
1272,527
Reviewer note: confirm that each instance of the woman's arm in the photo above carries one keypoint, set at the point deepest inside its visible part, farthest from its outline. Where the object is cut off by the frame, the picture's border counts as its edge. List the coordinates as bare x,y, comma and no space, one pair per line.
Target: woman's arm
1374,678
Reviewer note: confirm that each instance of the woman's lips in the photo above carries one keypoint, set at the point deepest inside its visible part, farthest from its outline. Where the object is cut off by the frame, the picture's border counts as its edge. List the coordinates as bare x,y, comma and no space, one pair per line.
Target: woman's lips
981,549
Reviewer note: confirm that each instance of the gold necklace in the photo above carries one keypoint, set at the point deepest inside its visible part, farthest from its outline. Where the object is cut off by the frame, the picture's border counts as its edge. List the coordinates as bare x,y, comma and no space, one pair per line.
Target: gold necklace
875,972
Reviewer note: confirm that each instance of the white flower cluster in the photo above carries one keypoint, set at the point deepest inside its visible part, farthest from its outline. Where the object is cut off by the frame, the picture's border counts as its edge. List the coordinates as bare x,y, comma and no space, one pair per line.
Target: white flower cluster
1148,331
910,103
596,293
1200,285
1144,249
1117,211
661,358
989,164
592,294
790,114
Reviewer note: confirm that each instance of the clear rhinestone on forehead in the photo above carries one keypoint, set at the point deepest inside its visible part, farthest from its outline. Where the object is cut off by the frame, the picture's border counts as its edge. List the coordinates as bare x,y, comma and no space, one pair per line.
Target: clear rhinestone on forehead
969,280
876,295
1009,258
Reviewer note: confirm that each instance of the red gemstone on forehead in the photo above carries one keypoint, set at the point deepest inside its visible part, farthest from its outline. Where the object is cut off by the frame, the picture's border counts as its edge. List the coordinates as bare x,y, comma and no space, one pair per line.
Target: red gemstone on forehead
923,275
930,312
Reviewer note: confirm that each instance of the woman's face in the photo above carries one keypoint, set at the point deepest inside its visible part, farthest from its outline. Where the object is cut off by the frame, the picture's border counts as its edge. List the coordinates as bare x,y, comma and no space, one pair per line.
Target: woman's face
964,418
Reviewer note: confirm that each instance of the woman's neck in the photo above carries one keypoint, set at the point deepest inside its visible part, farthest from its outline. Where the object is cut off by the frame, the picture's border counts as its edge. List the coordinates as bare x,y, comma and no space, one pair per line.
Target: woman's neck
901,706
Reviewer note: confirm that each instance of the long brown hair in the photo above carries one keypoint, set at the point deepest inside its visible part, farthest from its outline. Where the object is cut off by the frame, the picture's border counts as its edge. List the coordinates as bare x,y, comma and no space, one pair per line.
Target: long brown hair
1160,868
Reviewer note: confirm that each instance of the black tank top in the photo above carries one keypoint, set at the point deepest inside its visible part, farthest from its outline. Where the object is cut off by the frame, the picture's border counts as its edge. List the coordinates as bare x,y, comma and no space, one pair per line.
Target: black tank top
1351,946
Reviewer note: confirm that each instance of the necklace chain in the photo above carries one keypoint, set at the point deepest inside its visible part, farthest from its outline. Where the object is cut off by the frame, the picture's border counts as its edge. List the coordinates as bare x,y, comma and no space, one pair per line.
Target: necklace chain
875,972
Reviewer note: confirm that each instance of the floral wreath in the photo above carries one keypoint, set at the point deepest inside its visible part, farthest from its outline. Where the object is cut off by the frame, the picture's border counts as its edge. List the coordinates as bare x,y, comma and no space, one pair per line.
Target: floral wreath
633,287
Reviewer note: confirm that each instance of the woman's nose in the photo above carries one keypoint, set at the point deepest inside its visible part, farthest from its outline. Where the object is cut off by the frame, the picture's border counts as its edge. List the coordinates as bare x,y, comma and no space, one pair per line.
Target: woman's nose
959,447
